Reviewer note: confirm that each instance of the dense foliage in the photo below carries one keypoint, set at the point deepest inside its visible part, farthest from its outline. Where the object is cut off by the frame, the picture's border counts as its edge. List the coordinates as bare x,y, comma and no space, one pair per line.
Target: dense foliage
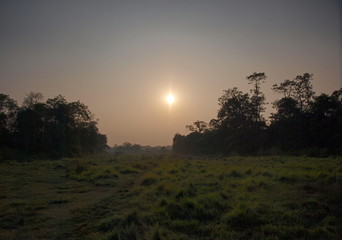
54,128
303,123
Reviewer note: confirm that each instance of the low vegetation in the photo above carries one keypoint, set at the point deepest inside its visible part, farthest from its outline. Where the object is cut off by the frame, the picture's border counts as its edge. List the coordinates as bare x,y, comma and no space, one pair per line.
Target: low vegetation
171,197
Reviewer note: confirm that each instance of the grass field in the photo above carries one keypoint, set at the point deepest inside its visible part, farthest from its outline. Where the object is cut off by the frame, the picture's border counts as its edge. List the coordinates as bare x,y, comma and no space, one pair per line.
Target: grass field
171,197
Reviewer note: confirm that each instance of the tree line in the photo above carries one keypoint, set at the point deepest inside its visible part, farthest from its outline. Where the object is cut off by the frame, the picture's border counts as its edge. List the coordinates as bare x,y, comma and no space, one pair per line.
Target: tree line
133,148
54,128
303,123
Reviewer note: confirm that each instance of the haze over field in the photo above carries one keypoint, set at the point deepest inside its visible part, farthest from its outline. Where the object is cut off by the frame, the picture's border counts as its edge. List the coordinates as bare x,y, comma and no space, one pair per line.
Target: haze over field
122,58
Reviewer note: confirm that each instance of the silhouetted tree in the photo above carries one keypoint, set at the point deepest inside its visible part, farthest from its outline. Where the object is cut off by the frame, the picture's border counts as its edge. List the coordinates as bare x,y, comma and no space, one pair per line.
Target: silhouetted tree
302,123
8,111
31,124
258,98
32,99
198,126
179,144
326,123
235,111
57,127
300,89
239,127
290,124
287,125
53,128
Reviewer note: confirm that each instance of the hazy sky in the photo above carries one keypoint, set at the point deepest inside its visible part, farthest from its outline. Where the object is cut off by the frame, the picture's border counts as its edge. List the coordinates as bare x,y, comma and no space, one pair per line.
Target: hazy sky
121,58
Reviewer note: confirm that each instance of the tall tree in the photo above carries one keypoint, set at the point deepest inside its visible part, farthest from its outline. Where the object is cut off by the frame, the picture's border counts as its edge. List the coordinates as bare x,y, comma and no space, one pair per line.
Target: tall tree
287,125
235,109
8,111
32,99
300,89
258,97
290,125
198,126
326,122
31,127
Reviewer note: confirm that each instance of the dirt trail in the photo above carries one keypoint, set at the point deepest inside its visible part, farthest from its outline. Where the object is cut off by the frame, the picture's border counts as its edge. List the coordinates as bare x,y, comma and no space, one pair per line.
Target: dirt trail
62,218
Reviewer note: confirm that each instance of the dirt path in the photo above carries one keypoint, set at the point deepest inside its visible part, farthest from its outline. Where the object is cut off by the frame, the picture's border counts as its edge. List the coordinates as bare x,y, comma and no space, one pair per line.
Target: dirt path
70,208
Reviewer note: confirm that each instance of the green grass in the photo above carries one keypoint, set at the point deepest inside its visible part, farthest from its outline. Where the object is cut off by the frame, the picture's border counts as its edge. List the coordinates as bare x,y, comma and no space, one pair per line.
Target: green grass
149,197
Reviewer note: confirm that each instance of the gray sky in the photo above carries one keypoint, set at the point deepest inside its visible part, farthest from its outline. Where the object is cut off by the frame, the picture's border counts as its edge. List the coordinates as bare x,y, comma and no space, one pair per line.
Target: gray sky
121,58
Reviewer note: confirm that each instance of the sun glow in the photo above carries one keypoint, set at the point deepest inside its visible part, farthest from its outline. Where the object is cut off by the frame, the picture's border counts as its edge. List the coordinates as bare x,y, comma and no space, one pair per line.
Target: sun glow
170,99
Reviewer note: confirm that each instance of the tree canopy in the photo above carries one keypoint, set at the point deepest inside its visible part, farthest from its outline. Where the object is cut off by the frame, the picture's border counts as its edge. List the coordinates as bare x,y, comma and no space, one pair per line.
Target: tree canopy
54,128
302,123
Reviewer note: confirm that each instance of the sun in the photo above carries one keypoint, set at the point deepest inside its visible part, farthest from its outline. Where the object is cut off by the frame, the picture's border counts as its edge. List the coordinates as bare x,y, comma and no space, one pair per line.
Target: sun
170,99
